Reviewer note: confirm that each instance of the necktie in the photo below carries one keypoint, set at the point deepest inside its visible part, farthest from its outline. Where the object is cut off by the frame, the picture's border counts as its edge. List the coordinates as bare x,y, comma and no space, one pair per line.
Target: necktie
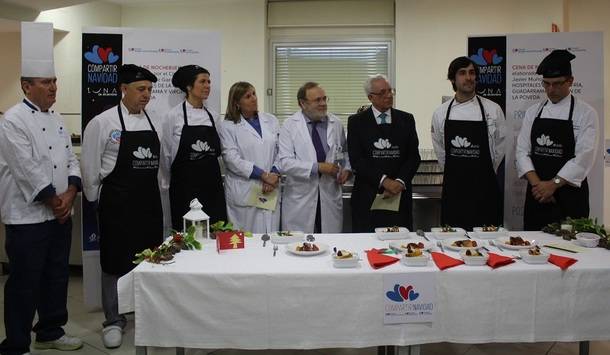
382,117
317,142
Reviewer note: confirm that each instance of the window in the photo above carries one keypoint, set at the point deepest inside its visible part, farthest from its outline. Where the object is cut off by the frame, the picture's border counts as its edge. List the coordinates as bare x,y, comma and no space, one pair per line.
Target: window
340,67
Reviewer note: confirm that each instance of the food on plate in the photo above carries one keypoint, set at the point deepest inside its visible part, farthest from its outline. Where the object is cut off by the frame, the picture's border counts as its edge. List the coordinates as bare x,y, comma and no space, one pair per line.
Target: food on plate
447,229
413,251
392,229
534,251
490,228
466,243
473,252
284,234
342,254
419,245
518,241
307,247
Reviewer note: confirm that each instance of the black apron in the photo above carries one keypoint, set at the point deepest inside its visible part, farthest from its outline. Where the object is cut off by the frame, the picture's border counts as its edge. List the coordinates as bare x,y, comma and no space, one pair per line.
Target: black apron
130,214
549,154
471,195
195,173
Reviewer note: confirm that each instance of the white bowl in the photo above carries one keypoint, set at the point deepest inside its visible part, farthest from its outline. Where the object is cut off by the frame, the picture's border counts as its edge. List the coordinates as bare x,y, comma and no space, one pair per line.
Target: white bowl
286,239
346,263
533,259
381,233
474,260
589,240
421,260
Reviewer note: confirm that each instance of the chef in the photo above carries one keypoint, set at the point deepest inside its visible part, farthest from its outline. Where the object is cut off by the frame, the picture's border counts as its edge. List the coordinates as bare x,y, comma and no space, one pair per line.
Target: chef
556,147
313,155
39,179
468,138
383,149
190,149
120,161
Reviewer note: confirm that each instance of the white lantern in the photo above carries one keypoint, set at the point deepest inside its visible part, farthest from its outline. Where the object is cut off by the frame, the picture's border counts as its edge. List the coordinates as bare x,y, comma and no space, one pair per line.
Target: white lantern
196,217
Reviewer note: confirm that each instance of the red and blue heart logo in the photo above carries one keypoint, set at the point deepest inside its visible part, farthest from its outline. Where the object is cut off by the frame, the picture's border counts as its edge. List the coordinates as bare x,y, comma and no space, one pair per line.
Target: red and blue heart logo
485,57
100,55
402,293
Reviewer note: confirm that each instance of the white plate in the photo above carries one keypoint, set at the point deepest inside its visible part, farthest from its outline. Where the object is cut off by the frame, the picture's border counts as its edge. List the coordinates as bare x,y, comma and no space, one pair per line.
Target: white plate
449,244
398,244
587,240
415,260
438,234
403,233
543,258
474,260
293,249
295,237
346,263
503,242
478,233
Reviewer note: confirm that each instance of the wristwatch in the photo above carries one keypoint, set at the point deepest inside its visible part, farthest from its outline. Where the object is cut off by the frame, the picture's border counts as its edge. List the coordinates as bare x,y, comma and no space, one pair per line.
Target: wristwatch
557,180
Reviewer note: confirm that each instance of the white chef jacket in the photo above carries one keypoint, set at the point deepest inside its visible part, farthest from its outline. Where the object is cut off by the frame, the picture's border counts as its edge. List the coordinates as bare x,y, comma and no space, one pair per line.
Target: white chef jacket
35,151
470,111
172,131
585,121
100,145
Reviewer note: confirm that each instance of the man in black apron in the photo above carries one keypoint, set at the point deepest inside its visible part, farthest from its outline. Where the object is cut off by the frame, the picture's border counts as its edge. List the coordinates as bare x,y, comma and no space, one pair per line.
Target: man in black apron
556,148
130,214
383,149
467,134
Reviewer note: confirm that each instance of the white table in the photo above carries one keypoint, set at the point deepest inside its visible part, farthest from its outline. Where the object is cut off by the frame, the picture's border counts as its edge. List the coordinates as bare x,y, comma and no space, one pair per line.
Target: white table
248,299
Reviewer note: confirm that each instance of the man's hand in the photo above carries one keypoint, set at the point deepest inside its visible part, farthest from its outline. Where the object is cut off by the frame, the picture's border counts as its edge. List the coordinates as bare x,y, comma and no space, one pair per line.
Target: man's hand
543,191
272,179
391,187
343,176
267,188
328,169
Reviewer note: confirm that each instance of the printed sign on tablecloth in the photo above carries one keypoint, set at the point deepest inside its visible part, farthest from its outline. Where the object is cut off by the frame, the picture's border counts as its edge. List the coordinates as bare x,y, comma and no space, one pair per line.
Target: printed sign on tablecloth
409,298
229,240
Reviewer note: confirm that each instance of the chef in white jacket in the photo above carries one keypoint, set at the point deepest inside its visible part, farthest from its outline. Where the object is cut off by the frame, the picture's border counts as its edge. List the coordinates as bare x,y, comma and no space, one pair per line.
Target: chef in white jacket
313,156
39,179
249,140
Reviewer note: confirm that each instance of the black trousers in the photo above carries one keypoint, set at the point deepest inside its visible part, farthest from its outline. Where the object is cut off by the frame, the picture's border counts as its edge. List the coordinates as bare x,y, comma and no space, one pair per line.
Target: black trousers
38,282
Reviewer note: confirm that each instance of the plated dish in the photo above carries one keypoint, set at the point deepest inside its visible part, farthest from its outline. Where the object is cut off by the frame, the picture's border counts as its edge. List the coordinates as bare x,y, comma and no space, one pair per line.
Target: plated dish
403,245
419,260
285,237
462,244
474,257
345,258
515,243
534,255
307,249
394,232
587,240
489,232
447,232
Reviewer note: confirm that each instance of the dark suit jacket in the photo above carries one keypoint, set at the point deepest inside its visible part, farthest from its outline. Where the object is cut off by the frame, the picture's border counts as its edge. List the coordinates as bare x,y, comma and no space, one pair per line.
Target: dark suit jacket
362,131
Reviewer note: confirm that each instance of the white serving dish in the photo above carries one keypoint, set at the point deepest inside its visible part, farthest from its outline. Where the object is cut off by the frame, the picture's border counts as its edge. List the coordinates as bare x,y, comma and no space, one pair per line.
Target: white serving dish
292,248
449,244
279,239
352,262
503,242
474,260
439,234
415,260
588,240
398,244
543,258
403,233
478,233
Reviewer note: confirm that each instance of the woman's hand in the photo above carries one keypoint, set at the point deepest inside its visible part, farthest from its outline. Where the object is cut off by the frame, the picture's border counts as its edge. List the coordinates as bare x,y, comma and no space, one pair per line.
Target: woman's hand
272,179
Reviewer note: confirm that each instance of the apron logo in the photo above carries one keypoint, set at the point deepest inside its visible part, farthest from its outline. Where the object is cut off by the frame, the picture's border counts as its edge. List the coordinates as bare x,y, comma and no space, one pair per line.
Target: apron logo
200,146
142,153
460,142
115,136
544,140
382,144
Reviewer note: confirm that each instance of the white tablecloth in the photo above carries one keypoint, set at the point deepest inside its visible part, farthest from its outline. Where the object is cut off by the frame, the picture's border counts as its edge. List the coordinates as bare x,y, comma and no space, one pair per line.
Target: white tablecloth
248,299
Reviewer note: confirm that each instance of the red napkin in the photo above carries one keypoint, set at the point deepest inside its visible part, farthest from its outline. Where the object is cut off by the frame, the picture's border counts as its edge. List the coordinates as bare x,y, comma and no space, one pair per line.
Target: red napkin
495,260
379,260
563,262
444,261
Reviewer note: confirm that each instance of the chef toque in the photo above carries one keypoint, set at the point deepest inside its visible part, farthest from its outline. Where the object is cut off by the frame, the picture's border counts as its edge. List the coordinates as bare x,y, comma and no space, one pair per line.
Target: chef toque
556,64
37,50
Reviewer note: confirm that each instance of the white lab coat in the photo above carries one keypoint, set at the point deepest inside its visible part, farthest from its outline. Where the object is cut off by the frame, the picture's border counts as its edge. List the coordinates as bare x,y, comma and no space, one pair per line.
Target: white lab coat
300,192
242,148
35,151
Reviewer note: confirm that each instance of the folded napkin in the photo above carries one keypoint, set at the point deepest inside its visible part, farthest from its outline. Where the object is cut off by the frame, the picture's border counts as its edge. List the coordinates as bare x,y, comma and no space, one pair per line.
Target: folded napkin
379,260
496,260
444,261
563,262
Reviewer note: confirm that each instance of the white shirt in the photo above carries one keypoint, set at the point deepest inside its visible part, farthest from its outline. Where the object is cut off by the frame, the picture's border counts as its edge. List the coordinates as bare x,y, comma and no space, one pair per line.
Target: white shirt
172,131
35,151
388,115
585,121
470,111
101,141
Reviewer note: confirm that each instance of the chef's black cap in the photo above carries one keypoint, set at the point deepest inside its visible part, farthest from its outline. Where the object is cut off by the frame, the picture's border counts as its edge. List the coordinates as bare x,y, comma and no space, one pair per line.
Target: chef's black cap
556,64
128,73
186,75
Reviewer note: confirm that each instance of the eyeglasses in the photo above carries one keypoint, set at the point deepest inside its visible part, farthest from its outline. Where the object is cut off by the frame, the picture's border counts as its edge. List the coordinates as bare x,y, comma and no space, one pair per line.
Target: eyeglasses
384,92
319,100
553,84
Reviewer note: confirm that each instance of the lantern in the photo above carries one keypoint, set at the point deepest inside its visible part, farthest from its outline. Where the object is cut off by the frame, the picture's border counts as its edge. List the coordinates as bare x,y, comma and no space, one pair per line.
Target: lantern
196,217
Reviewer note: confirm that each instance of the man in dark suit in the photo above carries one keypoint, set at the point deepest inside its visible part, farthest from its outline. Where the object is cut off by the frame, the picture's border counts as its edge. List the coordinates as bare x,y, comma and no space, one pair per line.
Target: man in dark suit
383,150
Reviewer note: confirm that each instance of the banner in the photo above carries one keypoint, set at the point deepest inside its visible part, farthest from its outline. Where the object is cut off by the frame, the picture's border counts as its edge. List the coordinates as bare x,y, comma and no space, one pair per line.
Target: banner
104,50
523,89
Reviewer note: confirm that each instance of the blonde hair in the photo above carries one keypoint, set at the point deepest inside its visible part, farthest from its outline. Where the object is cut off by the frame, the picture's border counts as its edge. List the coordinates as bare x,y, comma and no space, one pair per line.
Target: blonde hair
237,91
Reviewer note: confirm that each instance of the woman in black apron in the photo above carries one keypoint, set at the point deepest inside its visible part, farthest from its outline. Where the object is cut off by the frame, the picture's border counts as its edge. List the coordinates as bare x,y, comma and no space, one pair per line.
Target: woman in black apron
195,170
548,159
471,195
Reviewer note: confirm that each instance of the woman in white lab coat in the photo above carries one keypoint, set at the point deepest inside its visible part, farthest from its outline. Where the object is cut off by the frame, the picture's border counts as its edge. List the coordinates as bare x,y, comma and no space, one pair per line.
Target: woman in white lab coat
249,149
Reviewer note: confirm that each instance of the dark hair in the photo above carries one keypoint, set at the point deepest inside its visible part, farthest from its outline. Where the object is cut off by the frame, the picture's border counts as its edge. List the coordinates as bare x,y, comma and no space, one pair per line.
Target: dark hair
28,80
302,93
457,64
237,91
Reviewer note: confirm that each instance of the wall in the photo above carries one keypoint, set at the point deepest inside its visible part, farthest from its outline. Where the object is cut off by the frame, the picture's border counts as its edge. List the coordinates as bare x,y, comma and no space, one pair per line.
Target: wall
10,66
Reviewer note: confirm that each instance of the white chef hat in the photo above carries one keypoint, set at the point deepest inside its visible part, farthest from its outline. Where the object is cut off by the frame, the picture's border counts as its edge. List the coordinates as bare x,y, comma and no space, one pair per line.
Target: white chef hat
37,50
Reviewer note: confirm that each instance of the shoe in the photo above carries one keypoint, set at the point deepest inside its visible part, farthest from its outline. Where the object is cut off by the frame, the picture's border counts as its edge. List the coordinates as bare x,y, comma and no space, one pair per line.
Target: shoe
112,336
65,343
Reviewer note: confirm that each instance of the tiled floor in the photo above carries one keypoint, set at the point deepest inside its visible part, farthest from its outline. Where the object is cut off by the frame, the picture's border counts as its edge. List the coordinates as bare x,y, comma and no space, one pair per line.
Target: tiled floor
87,326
